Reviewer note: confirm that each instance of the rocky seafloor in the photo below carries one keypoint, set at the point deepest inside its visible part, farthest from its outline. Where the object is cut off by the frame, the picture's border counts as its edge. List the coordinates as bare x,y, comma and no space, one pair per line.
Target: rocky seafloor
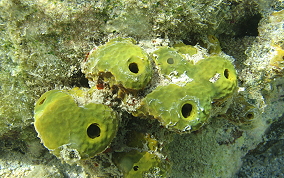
44,42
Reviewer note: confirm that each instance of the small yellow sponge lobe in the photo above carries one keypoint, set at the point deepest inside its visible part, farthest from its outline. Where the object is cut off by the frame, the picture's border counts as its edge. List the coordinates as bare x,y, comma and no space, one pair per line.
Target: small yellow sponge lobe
219,74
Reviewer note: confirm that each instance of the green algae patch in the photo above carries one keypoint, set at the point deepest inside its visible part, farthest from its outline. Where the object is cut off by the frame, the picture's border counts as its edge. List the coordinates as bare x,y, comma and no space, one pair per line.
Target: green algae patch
119,62
64,128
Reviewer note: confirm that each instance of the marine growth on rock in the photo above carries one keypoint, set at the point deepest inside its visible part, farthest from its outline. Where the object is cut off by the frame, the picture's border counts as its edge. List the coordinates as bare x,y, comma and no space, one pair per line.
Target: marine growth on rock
175,85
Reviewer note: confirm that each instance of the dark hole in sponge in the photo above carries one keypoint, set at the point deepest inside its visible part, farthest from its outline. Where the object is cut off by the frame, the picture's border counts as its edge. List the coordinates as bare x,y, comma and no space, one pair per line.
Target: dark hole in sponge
226,73
93,131
133,67
170,60
186,110
135,168
41,102
250,115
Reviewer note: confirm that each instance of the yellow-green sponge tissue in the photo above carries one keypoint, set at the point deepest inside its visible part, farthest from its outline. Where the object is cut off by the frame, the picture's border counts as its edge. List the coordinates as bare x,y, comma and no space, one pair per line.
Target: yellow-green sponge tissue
185,102
219,74
169,60
67,129
119,62
141,164
185,49
177,108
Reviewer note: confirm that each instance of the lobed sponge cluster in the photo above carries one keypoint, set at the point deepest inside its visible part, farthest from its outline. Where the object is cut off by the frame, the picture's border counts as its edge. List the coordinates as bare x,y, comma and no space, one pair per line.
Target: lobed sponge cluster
185,103
166,84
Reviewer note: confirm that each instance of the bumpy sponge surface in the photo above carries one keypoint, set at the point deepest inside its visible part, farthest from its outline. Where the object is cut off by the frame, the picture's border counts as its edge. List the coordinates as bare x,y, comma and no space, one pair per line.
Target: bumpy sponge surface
185,102
60,123
119,62
177,108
